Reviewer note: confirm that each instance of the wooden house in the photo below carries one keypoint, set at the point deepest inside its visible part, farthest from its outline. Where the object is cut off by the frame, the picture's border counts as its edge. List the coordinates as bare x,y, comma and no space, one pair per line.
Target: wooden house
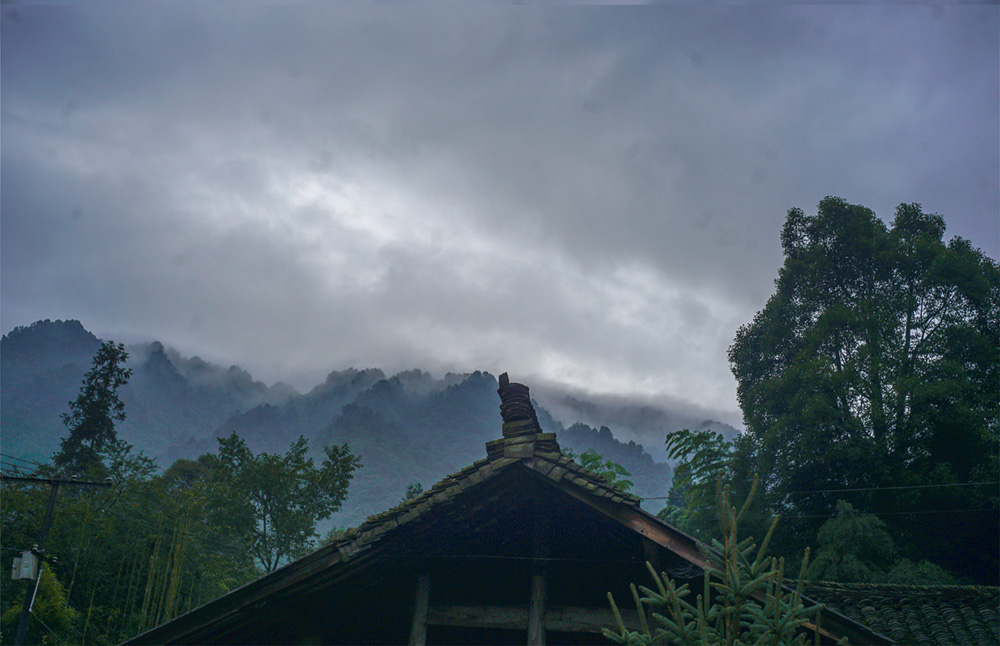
520,547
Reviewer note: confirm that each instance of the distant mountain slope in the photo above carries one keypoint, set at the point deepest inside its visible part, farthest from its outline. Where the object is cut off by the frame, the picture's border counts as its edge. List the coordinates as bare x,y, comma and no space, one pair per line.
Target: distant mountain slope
652,479
173,405
41,366
643,423
272,427
410,427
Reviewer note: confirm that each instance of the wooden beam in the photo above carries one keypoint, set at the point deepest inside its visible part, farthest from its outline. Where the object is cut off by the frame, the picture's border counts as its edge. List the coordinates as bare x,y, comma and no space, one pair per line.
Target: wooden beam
560,619
418,629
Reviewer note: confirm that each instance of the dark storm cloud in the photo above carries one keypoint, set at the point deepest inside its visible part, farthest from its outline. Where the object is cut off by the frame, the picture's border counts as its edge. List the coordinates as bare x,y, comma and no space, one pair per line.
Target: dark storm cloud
589,195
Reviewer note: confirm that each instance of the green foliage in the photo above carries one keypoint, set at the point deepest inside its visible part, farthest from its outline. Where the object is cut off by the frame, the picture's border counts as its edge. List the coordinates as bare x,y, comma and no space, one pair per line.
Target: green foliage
129,557
727,611
94,413
652,479
702,458
335,533
413,490
906,572
50,615
273,501
853,547
613,473
876,362
857,548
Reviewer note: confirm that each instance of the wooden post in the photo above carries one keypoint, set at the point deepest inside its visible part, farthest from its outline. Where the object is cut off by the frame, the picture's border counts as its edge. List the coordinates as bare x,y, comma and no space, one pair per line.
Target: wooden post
418,629
536,609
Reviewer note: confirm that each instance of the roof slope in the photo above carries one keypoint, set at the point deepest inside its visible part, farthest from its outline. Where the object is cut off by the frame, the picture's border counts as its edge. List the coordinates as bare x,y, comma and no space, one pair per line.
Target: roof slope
933,614
539,451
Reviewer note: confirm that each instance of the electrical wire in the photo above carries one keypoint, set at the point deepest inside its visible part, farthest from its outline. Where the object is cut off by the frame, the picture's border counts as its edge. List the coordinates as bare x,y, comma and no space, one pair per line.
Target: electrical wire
52,632
891,488
14,457
906,513
856,489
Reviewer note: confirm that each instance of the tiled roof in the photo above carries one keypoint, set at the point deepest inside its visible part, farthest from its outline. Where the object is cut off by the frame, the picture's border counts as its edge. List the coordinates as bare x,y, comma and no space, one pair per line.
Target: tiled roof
907,614
537,451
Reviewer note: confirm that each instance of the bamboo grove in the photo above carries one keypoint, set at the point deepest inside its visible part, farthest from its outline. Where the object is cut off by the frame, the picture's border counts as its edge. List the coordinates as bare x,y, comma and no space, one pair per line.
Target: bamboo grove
128,559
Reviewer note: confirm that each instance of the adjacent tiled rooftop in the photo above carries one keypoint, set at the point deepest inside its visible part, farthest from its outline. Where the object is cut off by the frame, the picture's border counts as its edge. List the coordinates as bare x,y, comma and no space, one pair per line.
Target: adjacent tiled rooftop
938,614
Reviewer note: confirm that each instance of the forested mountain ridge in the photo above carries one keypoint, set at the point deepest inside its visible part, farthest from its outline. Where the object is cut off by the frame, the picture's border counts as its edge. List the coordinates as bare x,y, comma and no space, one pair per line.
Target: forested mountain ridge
651,478
407,428
630,419
173,404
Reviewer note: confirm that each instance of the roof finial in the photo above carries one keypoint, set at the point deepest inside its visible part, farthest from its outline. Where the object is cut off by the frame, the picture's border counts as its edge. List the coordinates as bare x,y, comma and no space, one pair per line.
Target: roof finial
515,402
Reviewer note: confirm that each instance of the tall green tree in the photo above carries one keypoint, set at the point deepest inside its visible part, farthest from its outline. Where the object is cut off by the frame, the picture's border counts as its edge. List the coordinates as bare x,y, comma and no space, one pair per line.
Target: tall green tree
274,501
875,363
95,411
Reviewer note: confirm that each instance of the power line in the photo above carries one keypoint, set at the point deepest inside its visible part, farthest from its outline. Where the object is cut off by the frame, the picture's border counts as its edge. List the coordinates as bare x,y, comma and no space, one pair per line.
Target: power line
925,486
906,513
855,489
52,632
14,457
14,470
57,481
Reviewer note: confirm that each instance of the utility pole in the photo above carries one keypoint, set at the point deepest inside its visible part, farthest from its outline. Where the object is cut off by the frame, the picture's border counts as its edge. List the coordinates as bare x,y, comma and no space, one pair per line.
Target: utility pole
43,533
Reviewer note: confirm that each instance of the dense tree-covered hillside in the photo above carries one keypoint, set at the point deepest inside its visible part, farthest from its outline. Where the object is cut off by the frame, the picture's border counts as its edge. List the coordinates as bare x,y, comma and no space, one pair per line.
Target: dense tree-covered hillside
407,428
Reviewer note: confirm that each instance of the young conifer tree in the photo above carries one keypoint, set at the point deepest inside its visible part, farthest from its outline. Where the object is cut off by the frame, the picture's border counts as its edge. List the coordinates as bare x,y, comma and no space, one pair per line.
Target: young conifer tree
729,612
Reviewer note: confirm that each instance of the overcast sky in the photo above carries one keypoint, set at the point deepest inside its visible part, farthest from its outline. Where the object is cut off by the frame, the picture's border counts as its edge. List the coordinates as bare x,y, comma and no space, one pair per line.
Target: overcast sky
583,195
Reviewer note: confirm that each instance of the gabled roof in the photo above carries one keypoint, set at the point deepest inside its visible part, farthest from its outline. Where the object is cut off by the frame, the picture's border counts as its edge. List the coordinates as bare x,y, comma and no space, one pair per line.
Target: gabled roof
908,614
538,451
486,499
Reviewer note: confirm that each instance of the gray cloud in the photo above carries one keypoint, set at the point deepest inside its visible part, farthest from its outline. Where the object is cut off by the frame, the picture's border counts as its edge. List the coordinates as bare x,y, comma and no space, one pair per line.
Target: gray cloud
586,195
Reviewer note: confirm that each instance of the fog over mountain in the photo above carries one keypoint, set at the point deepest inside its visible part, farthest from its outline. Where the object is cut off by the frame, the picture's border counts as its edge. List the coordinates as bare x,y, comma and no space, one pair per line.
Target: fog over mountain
409,427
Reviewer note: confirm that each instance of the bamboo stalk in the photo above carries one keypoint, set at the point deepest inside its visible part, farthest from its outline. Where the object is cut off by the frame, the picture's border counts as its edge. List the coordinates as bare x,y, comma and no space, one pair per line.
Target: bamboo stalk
118,581
150,578
90,610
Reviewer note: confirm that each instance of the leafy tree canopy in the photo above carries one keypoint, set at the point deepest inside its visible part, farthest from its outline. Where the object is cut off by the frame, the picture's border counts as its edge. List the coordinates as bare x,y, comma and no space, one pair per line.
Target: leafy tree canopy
274,501
702,458
877,363
613,473
855,547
